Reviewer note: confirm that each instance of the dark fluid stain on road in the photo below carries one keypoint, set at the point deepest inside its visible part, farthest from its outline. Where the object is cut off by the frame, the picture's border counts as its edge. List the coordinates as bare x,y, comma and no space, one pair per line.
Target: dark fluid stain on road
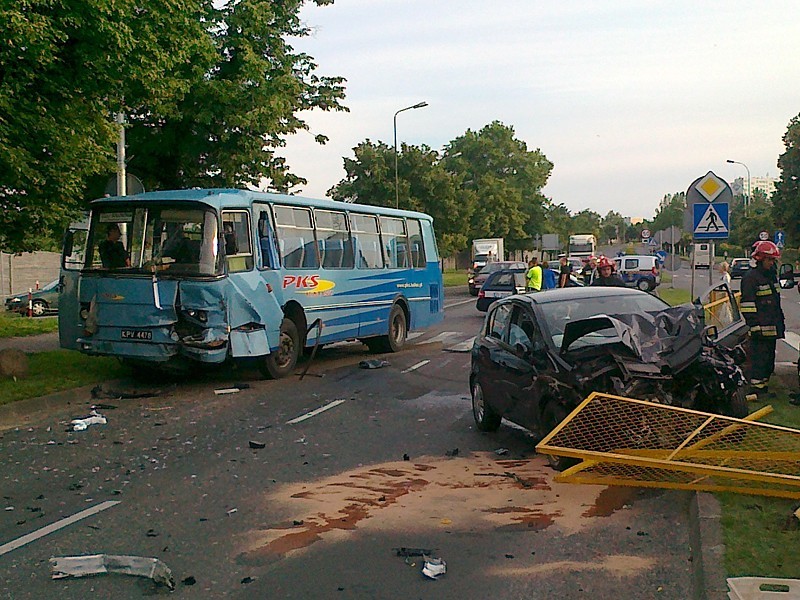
610,501
524,519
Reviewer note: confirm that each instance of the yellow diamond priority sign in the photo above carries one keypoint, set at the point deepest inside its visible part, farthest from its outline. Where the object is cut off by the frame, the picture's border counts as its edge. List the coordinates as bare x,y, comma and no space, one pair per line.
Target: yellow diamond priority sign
710,186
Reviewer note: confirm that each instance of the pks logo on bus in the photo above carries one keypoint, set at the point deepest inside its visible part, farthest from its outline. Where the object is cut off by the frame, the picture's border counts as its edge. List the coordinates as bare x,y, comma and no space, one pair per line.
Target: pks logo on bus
308,284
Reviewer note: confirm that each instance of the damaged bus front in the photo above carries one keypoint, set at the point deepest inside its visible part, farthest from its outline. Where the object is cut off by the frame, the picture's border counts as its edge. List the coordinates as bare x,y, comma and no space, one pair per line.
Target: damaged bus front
171,278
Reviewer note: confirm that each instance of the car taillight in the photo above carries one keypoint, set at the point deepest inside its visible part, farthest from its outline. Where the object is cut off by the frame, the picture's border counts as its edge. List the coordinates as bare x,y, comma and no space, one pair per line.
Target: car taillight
655,271
481,294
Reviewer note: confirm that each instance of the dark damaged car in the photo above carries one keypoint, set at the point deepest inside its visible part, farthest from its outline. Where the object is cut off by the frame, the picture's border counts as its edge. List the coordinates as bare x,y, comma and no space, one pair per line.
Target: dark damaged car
538,356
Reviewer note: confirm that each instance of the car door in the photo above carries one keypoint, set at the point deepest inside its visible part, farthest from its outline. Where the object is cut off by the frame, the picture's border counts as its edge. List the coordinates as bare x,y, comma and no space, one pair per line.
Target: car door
722,311
526,361
491,355
70,324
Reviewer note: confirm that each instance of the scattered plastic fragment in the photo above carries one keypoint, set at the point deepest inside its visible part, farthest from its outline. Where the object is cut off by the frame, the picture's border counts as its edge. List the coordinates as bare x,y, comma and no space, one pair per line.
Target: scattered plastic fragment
246,580
373,363
501,451
233,510
97,564
94,418
434,567
101,392
257,445
406,457
222,391
406,552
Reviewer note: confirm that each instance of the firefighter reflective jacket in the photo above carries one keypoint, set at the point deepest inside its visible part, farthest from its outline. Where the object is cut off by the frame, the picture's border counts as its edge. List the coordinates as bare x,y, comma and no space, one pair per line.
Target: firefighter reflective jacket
761,304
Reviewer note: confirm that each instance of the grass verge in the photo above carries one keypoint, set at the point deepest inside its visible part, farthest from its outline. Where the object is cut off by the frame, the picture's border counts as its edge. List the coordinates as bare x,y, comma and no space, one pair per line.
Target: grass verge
59,370
673,296
453,277
762,536
15,325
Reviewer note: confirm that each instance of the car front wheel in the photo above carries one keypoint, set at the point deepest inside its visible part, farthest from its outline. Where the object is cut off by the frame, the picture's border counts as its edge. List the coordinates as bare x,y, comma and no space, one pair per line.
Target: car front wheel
554,412
644,285
38,308
486,419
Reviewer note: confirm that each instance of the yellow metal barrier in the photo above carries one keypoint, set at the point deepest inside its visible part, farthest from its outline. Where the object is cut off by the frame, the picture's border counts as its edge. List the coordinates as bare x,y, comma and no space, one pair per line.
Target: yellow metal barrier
629,442
720,311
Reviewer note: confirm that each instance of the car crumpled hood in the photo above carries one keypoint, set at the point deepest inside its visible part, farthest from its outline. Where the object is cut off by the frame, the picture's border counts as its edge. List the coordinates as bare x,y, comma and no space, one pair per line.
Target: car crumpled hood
669,338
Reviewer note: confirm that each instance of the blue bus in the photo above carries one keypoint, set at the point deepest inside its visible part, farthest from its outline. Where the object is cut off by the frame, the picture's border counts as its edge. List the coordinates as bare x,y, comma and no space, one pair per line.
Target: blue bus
177,277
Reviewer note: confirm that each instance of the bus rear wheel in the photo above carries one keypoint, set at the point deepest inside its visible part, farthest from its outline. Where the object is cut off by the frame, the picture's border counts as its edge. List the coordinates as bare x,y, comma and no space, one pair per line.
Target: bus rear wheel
396,338
283,360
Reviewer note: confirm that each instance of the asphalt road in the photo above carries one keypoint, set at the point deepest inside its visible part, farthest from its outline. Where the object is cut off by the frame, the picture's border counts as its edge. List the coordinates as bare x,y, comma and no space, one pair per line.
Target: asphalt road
394,461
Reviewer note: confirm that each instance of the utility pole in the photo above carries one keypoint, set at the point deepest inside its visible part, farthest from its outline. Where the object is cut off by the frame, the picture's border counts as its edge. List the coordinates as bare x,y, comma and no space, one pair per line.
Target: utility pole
121,173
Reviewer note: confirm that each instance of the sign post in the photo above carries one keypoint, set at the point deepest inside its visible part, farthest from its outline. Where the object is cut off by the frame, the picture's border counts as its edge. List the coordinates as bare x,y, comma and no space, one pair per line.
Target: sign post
707,201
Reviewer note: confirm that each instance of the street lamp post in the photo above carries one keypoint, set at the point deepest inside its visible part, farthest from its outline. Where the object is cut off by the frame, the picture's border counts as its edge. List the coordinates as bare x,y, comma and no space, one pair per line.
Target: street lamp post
396,179
747,200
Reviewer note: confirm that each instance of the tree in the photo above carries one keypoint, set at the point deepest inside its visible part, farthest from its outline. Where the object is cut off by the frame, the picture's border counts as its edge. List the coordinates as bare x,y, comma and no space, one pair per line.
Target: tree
244,101
424,185
586,221
506,179
786,200
210,93
613,226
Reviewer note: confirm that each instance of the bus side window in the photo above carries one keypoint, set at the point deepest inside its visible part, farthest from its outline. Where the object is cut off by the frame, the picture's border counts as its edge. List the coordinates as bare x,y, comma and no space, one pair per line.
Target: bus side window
415,240
264,240
236,237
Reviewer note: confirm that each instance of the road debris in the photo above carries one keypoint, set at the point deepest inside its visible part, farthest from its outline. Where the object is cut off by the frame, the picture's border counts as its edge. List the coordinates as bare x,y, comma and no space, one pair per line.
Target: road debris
222,391
190,580
94,418
98,564
501,451
434,568
100,392
406,552
373,363
453,452
257,445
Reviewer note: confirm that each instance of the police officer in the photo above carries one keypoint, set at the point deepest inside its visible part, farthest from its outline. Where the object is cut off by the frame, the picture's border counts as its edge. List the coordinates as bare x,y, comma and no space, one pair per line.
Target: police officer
606,275
761,308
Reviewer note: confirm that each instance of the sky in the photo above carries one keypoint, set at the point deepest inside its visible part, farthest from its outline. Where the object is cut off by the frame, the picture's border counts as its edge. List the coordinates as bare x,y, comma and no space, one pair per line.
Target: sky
631,100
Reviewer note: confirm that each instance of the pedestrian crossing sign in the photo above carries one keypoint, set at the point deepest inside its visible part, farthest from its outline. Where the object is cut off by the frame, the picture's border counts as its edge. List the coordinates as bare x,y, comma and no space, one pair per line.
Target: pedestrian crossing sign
711,221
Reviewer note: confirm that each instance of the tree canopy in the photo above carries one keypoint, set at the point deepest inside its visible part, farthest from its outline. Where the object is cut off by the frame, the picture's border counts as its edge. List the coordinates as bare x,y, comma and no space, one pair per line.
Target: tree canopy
210,91
786,201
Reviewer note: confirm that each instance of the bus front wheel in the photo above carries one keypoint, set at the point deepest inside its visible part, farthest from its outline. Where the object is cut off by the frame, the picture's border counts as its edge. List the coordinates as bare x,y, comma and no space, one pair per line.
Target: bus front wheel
283,360
396,338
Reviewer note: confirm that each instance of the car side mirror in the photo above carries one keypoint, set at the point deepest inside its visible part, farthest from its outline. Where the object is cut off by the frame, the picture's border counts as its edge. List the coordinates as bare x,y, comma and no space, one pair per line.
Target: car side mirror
787,284
711,332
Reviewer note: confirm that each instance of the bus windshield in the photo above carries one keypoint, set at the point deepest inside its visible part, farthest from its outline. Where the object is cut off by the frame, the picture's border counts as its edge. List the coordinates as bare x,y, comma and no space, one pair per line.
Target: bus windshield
176,240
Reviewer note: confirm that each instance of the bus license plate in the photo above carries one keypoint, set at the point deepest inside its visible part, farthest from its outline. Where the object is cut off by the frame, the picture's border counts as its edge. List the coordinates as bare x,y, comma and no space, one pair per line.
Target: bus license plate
137,334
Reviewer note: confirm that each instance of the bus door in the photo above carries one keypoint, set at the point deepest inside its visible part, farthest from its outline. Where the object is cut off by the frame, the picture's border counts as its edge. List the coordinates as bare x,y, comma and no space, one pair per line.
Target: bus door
70,325
252,301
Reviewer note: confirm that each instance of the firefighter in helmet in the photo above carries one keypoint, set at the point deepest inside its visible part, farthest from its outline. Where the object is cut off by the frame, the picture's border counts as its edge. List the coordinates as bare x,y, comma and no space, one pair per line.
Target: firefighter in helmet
761,308
606,275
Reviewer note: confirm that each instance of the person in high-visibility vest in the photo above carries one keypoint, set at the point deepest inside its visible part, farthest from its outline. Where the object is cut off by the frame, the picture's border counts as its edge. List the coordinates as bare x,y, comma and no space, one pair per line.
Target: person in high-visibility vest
533,276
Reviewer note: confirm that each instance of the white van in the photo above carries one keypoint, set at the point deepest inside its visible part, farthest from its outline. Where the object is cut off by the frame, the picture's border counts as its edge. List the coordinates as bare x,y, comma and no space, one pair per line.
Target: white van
702,256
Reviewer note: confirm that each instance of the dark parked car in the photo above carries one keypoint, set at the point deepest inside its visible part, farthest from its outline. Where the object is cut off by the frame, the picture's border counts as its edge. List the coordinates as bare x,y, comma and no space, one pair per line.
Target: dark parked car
476,281
499,285
508,282
539,355
45,300
739,266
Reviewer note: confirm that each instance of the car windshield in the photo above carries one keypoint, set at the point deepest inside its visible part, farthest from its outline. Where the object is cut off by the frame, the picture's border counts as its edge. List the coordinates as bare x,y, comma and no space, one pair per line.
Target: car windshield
177,239
558,314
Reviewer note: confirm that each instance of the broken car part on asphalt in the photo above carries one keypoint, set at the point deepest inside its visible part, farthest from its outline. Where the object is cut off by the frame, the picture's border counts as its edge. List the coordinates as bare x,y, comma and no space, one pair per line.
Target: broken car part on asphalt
97,564
373,363
434,568
94,418
629,442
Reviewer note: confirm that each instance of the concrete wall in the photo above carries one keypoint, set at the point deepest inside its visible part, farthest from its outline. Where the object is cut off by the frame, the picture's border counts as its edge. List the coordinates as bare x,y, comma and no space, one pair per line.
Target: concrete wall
18,272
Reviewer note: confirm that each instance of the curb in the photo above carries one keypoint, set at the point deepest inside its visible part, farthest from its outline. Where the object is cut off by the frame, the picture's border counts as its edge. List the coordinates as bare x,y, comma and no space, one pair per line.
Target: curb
707,548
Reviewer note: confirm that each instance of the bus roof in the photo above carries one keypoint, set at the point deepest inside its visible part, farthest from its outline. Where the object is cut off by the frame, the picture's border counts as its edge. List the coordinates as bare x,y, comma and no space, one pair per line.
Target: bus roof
222,198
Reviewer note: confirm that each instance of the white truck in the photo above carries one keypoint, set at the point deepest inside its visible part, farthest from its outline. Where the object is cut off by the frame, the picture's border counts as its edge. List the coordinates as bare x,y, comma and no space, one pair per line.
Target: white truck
702,255
582,245
485,251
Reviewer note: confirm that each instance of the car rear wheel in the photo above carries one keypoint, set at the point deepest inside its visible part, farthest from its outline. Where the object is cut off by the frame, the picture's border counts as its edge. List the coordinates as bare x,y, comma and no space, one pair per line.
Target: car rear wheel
486,419
644,285
554,412
738,405
283,360
39,308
